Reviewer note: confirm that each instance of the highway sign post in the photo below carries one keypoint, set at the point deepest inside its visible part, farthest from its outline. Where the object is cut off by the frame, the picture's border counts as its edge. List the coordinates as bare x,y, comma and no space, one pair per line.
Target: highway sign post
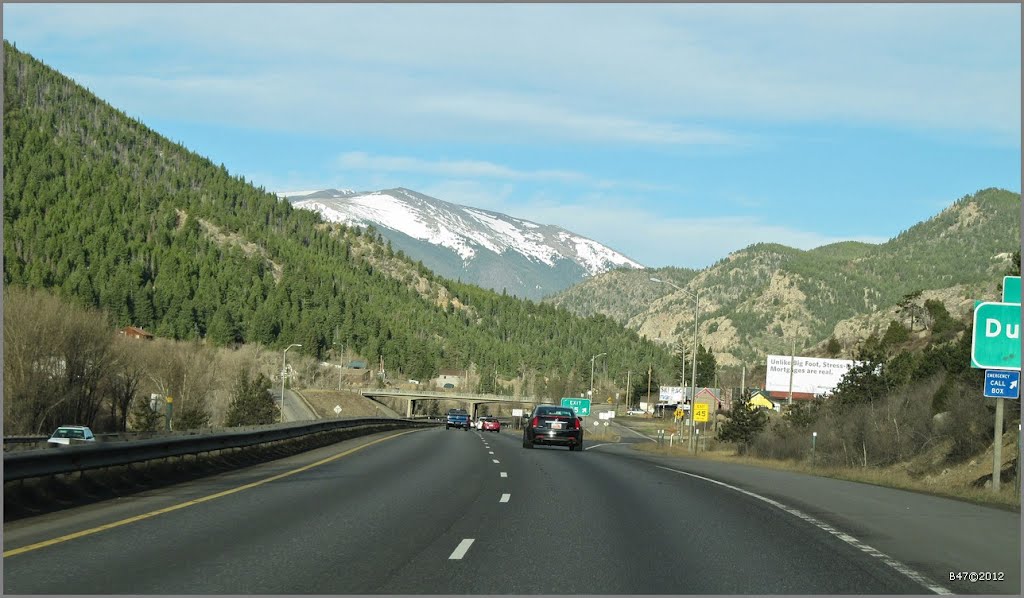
1002,384
580,406
996,346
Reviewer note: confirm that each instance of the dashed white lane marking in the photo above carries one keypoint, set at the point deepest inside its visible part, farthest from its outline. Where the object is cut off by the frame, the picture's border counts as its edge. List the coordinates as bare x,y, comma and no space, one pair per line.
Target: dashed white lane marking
495,460
891,562
461,549
490,452
595,446
505,497
504,474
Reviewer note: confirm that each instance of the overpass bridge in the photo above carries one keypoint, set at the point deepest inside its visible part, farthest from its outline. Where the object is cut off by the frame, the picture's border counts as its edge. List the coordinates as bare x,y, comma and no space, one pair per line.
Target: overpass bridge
469,399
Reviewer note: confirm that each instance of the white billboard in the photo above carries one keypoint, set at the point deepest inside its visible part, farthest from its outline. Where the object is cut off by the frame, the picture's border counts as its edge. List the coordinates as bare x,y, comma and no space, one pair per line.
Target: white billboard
671,395
813,375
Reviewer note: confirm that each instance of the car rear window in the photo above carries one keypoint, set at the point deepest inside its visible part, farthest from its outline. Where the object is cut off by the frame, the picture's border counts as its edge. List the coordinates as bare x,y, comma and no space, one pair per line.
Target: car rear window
556,413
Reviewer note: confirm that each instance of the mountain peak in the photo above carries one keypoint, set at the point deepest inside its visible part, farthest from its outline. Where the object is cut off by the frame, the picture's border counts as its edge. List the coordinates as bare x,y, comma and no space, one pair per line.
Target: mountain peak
476,245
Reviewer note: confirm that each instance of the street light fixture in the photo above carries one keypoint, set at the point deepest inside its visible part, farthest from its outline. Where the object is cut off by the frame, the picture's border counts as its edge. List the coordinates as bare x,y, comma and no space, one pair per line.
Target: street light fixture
284,369
693,360
592,373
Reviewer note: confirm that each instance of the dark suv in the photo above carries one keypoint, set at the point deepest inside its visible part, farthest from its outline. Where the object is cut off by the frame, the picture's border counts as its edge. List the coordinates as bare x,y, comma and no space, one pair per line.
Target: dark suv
552,424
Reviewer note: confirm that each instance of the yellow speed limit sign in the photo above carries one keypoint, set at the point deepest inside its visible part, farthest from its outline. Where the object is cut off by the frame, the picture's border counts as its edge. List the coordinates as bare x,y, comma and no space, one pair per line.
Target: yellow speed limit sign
700,412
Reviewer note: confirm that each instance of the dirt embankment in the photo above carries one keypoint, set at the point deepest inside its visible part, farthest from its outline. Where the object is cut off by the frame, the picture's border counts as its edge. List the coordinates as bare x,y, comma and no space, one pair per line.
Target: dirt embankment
352,404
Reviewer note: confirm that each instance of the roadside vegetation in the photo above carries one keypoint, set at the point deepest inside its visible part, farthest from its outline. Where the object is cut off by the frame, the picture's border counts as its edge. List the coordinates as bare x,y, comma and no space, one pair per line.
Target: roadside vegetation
65,364
911,410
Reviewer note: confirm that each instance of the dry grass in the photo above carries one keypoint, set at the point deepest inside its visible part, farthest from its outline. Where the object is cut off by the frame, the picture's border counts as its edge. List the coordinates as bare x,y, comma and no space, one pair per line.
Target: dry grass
600,433
352,404
953,482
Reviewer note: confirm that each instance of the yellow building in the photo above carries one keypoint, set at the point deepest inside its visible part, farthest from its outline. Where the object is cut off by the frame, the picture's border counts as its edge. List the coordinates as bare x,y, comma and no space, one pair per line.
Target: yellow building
759,400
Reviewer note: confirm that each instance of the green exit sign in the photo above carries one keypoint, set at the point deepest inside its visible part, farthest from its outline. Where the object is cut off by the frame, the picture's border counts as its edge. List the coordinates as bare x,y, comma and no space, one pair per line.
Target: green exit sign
580,406
1011,289
996,342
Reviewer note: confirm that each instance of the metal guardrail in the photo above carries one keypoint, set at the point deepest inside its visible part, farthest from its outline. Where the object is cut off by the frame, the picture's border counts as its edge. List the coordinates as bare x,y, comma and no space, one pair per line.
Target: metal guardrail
467,396
31,464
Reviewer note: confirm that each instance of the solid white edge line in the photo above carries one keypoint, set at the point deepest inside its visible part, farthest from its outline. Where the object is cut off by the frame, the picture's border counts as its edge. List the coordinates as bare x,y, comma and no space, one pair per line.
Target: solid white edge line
891,562
461,549
637,433
595,446
505,497
504,474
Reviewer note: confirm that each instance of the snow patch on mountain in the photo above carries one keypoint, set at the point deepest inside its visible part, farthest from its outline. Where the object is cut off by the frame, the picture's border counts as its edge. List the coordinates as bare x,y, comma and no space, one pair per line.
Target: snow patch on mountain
464,230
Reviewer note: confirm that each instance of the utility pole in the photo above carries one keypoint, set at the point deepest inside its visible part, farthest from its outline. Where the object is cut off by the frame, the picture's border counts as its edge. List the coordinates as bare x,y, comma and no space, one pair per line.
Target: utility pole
627,391
650,370
792,354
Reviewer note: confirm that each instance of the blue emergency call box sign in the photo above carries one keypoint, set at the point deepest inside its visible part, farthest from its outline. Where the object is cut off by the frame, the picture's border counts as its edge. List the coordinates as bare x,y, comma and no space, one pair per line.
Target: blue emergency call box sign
1002,384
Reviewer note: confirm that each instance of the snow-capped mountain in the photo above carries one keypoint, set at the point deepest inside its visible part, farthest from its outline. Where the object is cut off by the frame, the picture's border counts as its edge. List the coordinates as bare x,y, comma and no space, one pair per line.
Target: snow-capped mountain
482,247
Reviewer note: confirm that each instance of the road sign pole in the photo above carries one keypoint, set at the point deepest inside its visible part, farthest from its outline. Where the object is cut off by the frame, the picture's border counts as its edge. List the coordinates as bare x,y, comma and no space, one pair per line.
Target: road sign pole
1016,486
997,447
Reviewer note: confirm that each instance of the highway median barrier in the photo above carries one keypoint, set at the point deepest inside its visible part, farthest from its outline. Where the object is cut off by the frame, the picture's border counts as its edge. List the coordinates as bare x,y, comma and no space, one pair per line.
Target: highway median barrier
45,480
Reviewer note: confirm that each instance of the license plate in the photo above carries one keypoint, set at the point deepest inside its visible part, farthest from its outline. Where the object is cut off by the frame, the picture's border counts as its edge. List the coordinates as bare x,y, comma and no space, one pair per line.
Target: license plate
556,425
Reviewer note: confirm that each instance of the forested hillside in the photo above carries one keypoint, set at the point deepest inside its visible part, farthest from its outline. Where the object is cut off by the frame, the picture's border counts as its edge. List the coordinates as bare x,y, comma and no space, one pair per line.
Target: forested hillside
762,298
101,209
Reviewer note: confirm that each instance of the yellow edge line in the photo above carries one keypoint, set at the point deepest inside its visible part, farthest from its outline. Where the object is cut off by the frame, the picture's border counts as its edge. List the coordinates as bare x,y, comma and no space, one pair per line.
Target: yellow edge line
106,526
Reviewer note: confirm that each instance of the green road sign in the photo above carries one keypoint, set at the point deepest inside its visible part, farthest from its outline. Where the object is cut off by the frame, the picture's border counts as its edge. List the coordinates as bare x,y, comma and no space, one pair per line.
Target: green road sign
1011,289
996,342
580,406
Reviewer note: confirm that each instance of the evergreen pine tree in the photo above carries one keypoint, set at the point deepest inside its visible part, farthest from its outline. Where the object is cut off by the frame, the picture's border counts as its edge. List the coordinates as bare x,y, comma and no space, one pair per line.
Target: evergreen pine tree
251,403
743,425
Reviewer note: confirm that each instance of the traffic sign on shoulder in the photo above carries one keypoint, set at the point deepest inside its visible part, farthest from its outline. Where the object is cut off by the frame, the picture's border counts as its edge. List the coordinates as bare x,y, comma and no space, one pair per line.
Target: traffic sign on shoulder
1011,289
580,406
996,341
1002,384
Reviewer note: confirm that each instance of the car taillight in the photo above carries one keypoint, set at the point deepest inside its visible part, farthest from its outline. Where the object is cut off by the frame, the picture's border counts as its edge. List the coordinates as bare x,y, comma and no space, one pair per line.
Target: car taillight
576,423
535,423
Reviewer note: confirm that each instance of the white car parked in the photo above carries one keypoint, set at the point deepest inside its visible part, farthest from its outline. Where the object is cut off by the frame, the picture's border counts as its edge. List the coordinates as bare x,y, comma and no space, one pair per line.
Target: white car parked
68,435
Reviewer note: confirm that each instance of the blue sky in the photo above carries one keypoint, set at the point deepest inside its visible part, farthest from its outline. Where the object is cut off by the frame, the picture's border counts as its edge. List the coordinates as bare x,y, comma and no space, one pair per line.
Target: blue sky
672,133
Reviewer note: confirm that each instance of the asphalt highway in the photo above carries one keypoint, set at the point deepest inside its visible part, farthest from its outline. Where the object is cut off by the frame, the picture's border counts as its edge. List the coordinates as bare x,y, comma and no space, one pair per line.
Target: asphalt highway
295,409
454,512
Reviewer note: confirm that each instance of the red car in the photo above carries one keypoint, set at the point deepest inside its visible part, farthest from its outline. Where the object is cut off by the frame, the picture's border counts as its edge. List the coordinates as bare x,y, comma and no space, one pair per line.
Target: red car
490,424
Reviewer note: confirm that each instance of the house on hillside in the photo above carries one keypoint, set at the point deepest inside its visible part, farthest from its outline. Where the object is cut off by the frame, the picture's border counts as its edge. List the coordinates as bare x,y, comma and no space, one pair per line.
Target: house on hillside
449,377
710,397
135,332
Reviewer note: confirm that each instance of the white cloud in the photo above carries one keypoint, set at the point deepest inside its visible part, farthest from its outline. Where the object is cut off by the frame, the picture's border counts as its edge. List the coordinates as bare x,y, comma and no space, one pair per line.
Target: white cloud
656,241
451,168
641,74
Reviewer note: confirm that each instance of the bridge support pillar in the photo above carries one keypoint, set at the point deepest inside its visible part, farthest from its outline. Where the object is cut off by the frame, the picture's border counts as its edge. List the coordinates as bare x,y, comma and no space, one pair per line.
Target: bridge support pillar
408,408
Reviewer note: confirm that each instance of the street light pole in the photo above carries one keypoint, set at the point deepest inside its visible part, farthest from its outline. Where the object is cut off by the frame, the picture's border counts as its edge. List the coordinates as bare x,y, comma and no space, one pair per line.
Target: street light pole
592,374
284,368
693,360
